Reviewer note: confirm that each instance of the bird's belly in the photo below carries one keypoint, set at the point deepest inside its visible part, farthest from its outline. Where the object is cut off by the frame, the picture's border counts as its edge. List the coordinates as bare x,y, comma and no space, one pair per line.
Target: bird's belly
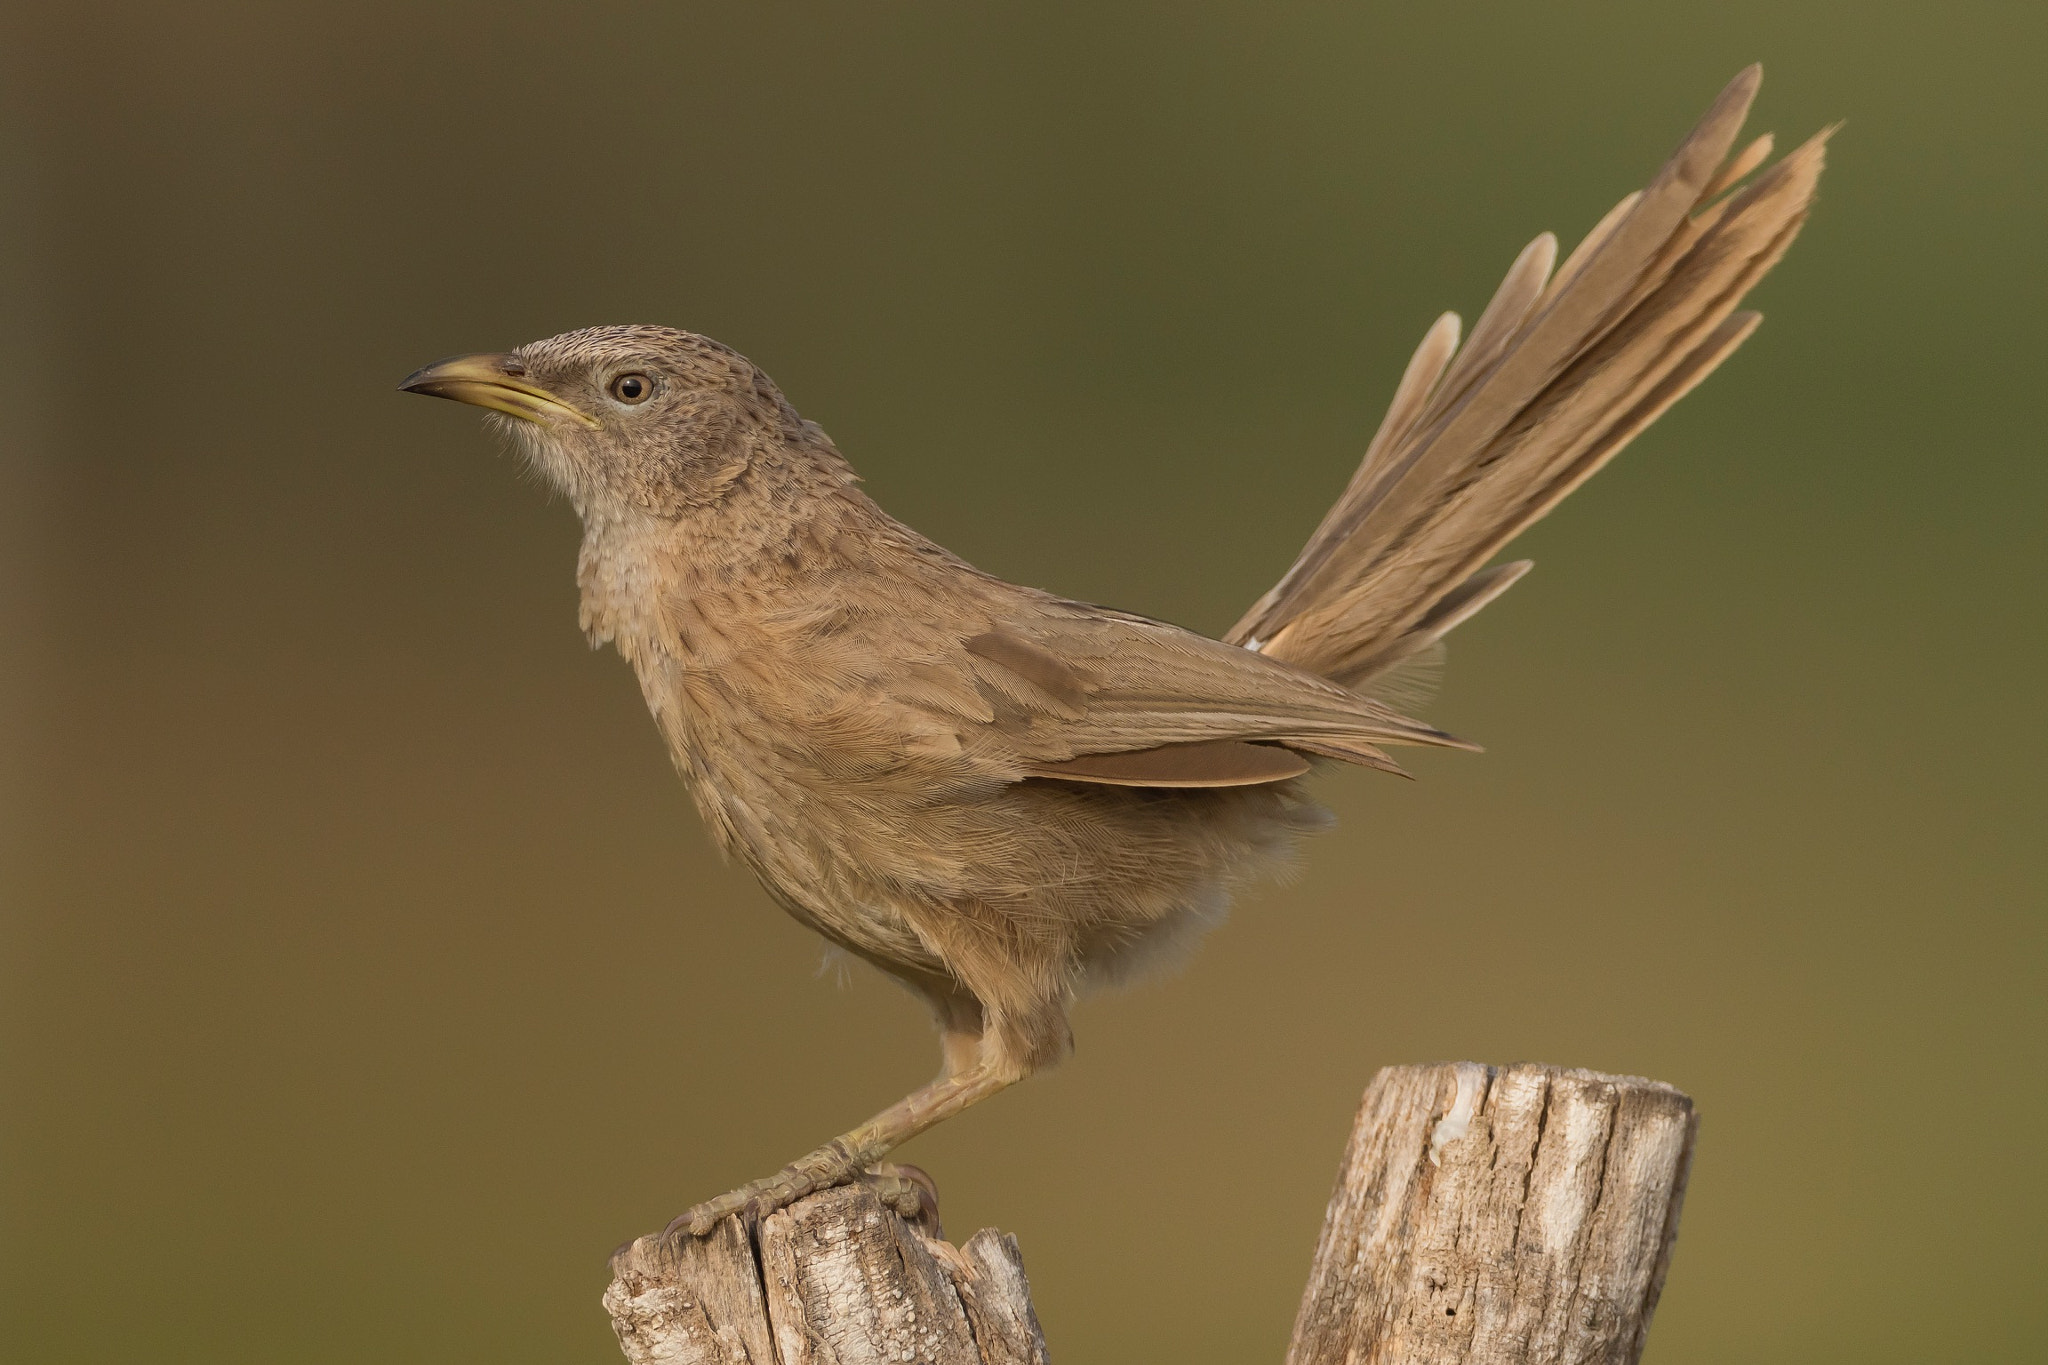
902,857
820,853
1112,882
872,930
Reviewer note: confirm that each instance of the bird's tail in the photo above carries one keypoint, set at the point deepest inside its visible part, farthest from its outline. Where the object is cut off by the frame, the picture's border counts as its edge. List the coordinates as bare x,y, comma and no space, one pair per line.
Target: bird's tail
1562,370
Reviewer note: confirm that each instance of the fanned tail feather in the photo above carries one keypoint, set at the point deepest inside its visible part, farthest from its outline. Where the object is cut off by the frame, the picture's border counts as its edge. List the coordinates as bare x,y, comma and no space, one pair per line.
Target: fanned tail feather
1562,370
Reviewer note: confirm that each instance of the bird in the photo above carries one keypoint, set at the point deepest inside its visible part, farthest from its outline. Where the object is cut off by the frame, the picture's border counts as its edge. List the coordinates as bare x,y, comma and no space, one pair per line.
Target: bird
1004,798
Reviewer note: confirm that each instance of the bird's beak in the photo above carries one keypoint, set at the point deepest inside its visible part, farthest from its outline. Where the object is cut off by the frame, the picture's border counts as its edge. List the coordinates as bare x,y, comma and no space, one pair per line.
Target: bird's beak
491,381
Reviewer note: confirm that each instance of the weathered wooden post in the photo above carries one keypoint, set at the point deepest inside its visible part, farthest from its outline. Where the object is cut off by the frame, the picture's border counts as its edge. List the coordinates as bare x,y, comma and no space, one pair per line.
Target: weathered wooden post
835,1279
1517,1215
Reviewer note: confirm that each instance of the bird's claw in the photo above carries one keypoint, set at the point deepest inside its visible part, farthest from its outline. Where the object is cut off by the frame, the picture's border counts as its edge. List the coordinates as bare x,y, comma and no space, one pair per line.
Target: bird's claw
754,1200
906,1189
830,1165
909,1190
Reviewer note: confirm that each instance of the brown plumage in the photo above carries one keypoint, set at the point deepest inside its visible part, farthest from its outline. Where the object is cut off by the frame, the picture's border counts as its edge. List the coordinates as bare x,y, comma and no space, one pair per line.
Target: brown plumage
1002,797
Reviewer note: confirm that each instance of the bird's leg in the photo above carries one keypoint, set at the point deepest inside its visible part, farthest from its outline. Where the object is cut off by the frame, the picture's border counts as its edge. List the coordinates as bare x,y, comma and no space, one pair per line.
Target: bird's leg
909,1189
846,1156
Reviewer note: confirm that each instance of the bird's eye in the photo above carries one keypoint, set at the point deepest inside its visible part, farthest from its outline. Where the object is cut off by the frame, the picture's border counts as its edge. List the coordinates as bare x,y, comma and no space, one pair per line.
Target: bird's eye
631,388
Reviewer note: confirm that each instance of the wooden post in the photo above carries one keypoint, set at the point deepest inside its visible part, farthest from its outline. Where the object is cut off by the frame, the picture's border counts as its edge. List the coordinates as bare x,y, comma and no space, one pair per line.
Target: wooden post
1518,1215
835,1279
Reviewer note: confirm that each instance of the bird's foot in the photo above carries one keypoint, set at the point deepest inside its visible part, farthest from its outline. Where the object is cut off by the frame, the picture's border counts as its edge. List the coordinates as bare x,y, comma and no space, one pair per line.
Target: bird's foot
832,1164
906,1189
910,1190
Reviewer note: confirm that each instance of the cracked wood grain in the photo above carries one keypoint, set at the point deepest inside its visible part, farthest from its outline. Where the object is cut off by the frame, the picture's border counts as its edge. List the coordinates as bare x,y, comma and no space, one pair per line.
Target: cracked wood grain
1518,1215
835,1279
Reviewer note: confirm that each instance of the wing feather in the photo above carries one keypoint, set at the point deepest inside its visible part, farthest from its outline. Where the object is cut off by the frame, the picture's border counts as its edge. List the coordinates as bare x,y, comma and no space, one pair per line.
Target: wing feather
1209,763
1082,693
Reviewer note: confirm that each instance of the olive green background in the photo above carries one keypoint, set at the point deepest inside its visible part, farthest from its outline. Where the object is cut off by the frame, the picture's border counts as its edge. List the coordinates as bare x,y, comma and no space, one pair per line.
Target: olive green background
364,974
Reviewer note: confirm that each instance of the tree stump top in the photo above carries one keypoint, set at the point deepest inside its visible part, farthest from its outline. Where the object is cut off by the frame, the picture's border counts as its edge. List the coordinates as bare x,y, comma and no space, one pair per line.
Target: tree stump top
1515,1215
835,1279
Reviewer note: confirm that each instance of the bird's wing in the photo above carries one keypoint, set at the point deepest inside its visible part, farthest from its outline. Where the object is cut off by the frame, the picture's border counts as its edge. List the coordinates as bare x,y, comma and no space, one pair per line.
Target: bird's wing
1559,374
1086,694
1562,370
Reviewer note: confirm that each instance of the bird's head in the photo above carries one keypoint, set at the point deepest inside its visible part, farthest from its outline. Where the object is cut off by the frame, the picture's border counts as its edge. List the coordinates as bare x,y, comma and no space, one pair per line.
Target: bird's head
627,419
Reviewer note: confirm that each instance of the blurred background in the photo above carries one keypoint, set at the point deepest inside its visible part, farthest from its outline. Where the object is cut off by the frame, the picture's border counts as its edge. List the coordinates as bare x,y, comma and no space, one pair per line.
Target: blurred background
365,975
